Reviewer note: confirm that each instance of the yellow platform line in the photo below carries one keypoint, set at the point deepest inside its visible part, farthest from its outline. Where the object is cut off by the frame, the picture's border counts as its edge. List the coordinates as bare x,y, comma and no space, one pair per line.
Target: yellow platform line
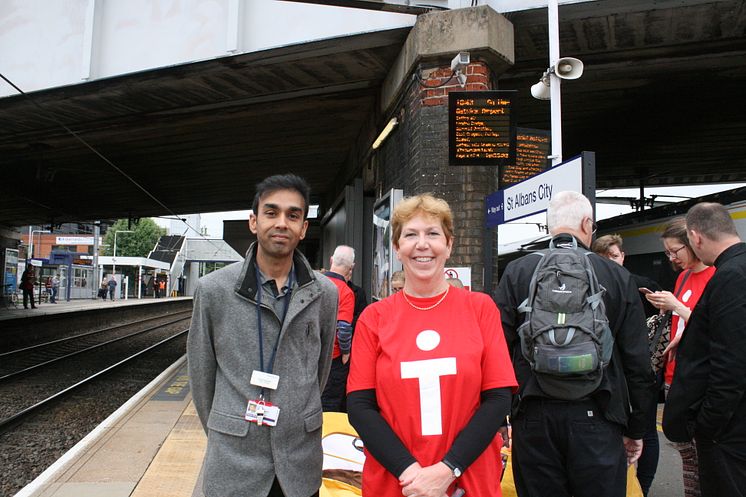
174,470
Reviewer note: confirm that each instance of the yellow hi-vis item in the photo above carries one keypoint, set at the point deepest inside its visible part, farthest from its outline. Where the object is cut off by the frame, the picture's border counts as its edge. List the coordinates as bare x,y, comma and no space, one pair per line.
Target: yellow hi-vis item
342,454
508,486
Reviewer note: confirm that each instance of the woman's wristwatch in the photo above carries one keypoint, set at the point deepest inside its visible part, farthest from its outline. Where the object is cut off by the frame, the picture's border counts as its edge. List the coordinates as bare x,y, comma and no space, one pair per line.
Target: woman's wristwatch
455,470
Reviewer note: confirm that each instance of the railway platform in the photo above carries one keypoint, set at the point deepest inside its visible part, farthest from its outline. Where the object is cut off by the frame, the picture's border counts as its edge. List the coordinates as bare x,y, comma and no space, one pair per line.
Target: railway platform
8,313
18,327
152,446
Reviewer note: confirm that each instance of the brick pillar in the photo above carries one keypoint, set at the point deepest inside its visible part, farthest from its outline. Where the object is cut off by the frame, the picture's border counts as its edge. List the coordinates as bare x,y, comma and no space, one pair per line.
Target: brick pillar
415,159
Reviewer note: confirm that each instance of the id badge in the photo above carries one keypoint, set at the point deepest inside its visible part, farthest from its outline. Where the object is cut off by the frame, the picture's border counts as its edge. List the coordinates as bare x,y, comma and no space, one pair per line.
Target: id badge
264,380
262,413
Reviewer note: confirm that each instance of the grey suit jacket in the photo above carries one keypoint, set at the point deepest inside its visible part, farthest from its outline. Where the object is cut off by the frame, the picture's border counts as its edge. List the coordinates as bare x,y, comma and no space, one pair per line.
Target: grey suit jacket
242,458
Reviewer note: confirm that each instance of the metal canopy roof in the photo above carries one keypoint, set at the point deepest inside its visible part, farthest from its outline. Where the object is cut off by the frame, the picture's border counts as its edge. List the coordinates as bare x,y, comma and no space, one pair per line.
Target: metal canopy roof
660,102
197,136
661,96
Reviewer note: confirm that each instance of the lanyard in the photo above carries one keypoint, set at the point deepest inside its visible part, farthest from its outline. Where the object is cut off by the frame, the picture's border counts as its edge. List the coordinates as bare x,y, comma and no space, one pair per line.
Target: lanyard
286,298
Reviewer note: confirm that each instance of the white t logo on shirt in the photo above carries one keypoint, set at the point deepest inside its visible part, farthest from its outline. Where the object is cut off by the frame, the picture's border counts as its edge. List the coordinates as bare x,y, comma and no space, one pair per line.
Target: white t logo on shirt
428,372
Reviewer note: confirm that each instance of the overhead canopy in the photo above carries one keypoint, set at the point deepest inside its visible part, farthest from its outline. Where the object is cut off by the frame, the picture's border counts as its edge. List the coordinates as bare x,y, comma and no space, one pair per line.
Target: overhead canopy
198,136
659,102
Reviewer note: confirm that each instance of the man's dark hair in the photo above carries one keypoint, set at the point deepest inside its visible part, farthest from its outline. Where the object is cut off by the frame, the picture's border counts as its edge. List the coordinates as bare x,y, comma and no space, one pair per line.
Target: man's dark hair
711,220
283,182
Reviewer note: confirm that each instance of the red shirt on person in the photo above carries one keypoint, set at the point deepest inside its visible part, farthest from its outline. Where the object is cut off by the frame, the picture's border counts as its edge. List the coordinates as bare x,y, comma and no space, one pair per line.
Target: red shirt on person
689,296
428,369
346,308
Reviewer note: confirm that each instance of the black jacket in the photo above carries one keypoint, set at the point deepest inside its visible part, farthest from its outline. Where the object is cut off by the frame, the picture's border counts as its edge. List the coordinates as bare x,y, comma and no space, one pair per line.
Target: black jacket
707,398
627,390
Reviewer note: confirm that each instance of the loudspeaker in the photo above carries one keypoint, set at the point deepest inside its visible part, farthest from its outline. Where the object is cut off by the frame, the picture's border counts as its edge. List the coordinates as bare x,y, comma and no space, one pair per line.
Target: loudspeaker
540,91
568,68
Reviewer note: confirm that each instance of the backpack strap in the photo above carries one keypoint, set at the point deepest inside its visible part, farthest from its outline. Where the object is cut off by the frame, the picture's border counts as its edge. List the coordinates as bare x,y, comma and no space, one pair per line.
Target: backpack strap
524,308
568,338
573,245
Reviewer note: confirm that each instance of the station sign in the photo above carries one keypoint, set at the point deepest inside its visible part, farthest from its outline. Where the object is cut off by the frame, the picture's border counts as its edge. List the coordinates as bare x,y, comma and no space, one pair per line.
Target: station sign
528,157
533,195
74,240
462,273
479,127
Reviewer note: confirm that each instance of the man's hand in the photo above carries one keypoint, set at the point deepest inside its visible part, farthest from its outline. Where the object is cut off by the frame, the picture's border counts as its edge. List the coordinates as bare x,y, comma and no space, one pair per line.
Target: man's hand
503,431
633,448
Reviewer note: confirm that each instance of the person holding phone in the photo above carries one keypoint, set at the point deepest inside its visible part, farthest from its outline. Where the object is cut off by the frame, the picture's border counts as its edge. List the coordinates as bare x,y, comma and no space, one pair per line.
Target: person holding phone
689,287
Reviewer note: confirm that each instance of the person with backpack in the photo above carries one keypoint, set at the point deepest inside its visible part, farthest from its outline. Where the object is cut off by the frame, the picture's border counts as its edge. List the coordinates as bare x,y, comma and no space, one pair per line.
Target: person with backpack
575,327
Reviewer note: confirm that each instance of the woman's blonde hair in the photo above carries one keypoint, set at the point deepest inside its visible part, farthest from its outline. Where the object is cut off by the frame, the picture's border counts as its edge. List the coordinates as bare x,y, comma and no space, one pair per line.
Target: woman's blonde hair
421,204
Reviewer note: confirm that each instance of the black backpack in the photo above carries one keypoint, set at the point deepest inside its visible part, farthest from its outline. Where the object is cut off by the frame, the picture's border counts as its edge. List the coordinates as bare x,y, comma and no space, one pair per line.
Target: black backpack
566,336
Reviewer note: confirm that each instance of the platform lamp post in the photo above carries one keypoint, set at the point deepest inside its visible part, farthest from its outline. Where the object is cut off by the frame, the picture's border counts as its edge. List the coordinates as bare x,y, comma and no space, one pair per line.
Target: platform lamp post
114,259
32,256
548,87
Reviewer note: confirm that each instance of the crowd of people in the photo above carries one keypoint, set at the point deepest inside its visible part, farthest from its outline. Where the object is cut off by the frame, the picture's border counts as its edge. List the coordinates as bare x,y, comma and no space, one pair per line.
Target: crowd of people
559,363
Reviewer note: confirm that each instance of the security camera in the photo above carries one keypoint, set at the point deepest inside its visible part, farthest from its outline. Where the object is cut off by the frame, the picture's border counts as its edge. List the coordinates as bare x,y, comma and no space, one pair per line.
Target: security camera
460,61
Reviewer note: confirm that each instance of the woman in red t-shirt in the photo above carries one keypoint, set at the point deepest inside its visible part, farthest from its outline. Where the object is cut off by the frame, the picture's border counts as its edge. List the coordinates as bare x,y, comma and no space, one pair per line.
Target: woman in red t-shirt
689,287
430,376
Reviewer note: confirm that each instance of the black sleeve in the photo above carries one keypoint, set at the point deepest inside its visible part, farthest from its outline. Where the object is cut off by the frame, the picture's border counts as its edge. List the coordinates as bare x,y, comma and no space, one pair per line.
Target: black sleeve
388,449
377,435
481,429
631,347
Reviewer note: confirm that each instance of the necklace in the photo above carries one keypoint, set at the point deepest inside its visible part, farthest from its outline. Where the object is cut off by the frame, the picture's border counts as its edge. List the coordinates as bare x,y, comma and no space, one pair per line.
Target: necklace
429,307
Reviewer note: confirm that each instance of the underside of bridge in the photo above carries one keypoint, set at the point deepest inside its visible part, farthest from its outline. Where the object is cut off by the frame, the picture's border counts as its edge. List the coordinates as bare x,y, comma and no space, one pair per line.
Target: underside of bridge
660,103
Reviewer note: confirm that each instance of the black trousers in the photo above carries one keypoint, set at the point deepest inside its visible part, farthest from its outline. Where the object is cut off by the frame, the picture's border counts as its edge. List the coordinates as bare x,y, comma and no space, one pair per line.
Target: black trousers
564,449
334,398
722,468
647,465
276,491
28,295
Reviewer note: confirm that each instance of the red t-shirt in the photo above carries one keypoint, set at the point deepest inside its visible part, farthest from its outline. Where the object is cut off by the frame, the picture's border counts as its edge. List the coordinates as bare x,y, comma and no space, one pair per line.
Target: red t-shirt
689,296
345,309
428,369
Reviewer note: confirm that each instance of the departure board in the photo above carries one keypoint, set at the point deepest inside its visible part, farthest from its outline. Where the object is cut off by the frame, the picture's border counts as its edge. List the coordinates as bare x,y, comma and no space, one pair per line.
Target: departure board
532,146
479,127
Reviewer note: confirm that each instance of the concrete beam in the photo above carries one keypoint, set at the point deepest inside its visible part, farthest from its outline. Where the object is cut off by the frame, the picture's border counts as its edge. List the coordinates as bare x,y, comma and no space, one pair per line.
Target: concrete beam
438,36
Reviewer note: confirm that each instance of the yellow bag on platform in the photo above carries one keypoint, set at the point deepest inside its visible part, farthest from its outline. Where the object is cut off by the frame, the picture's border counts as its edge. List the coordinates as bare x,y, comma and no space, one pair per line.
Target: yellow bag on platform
334,488
343,457
508,486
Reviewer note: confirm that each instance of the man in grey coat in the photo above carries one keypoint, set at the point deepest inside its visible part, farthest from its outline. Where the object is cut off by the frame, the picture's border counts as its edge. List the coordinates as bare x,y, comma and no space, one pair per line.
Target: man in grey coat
259,352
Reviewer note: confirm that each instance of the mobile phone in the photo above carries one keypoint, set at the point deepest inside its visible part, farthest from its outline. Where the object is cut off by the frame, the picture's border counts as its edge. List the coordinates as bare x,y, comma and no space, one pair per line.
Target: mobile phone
645,290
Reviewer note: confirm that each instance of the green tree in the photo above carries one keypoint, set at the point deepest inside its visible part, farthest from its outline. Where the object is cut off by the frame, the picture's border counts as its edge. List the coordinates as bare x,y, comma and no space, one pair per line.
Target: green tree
139,243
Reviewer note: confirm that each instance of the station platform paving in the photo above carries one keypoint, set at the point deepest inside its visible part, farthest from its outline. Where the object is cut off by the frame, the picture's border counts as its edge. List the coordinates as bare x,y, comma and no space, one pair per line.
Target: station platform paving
77,305
152,446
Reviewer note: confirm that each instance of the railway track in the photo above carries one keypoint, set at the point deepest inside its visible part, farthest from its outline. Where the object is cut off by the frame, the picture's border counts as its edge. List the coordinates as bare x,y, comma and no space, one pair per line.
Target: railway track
45,410
24,360
31,388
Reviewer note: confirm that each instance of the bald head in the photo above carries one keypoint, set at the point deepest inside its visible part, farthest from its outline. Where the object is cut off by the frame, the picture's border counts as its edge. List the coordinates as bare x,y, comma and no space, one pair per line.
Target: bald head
342,261
571,212
710,231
